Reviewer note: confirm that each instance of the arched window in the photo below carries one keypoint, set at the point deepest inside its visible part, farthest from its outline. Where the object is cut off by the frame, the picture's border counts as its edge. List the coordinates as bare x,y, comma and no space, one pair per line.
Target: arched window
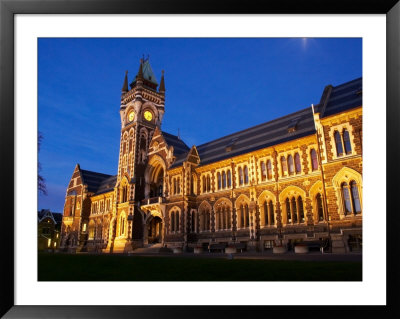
246,175
229,179
178,185
294,210
297,163
223,179
228,213
124,195
208,183
263,171
241,216
177,221
288,212
283,165
266,217
172,221
269,169
204,184
338,142
247,219
122,226
346,139
219,180
291,164
271,213
300,209
314,160
240,176
320,209
355,198
346,199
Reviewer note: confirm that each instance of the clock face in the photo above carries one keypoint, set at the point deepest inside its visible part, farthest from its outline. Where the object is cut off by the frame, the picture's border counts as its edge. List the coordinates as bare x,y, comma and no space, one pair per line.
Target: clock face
131,116
148,115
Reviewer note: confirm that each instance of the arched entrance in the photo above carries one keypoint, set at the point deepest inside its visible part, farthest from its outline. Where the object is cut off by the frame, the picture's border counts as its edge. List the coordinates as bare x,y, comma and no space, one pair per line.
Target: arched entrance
156,185
154,230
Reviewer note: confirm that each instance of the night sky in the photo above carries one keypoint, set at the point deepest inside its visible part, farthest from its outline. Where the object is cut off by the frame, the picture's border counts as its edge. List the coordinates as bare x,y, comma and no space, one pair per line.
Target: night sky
214,87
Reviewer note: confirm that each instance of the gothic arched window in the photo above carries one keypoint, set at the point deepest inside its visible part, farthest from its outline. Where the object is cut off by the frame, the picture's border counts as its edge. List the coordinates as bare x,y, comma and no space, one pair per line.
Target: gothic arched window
266,217
246,175
294,210
346,199
338,142
320,209
288,211
355,198
229,179
219,180
269,169
223,179
172,221
283,165
177,221
263,171
271,213
291,164
346,139
314,160
300,209
297,163
240,176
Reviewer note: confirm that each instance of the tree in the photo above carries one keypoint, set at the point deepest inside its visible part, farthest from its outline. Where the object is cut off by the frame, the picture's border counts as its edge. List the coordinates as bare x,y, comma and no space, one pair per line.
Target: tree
41,181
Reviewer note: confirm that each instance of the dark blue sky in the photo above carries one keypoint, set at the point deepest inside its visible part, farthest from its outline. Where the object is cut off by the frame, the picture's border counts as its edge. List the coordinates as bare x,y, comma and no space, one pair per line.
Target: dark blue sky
214,87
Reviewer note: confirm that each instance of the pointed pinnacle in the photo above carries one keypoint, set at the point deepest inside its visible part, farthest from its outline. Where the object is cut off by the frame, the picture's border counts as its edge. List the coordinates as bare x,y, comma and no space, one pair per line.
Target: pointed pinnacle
125,86
140,73
162,83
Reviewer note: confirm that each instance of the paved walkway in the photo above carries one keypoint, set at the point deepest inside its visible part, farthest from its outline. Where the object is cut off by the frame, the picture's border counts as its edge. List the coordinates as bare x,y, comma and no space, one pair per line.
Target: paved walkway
311,256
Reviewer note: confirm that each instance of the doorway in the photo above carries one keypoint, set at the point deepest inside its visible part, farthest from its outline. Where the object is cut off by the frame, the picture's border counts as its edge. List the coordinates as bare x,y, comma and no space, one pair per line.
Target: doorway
154,230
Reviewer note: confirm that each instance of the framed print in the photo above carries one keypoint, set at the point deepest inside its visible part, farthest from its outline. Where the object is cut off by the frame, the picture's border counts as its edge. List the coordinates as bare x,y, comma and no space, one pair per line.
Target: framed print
28,32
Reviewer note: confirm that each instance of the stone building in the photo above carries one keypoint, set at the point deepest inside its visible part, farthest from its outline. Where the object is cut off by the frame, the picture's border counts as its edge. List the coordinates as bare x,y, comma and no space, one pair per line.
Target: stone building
297,178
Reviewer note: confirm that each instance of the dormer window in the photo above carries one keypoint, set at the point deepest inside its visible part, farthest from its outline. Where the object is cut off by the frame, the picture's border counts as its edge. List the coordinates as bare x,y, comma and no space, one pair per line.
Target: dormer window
231,143
293,125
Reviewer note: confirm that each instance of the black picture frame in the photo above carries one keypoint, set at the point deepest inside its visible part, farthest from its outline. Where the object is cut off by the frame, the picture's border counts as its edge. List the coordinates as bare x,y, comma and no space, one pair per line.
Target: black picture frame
9,8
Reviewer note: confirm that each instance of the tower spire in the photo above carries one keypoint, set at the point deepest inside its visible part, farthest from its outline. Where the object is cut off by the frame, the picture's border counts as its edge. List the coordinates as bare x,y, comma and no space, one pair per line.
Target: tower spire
140,72
125,86
161,89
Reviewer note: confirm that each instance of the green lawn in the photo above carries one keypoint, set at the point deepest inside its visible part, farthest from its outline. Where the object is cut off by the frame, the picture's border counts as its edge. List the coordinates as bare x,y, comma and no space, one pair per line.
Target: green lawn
64,267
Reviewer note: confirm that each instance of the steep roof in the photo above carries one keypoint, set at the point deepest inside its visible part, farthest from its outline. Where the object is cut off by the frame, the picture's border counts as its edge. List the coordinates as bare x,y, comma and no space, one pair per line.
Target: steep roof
258,137
341,98
148,73
283,129
179,146
44,213
107,185
93,179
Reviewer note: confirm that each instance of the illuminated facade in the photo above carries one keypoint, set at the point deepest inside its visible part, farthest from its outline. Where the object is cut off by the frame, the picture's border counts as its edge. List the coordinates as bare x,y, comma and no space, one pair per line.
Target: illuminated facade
272,184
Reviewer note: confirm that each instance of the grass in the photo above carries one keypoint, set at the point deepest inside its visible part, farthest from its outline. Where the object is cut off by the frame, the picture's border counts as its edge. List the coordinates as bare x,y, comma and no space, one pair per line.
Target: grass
65,267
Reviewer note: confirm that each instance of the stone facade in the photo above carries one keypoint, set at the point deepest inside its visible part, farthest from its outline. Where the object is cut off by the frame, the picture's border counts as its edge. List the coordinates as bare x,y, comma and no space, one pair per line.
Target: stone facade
305,185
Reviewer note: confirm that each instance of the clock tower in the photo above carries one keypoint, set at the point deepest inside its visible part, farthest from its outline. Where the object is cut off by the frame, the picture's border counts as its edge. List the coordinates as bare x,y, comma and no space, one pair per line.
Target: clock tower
141,111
